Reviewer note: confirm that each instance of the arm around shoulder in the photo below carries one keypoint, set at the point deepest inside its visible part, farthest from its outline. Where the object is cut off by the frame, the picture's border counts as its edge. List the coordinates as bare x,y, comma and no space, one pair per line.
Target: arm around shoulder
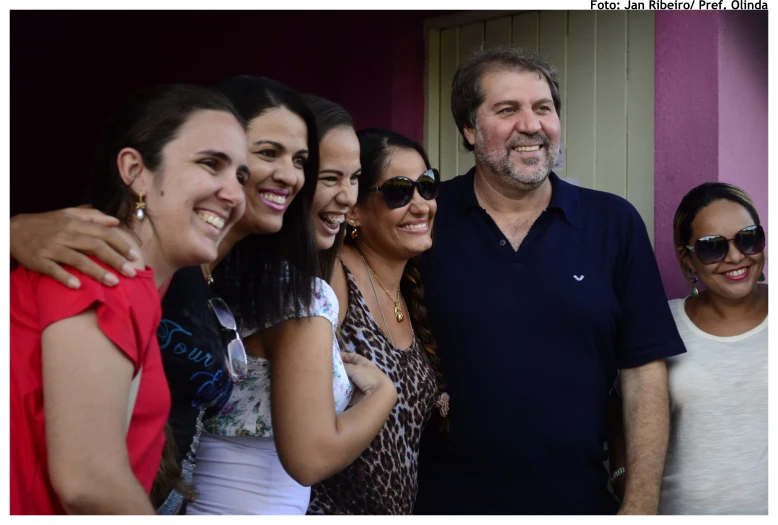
43,242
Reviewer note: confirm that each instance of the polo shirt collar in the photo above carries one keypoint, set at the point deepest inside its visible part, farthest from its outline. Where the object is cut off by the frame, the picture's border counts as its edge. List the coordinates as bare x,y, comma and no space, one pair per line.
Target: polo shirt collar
467,198
567,198
564,197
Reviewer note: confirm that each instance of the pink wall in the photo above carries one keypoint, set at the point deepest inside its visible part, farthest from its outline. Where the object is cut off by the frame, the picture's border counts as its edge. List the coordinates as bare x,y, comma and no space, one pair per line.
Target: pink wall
685,125
743,104
710,116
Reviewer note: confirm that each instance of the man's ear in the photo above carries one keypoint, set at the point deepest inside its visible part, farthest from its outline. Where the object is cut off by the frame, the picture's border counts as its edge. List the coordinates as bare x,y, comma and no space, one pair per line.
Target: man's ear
132,170
469,135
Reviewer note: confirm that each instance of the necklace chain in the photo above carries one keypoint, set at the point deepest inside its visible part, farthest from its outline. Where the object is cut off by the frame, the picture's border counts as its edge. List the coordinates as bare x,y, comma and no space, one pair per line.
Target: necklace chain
380,308
398,311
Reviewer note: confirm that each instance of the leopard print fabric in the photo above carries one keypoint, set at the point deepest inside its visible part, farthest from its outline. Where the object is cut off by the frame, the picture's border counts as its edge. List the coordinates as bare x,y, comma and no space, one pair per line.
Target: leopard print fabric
383,479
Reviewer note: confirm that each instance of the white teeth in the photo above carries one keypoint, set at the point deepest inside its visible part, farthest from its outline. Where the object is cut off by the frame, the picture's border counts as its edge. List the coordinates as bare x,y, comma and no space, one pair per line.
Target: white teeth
272,197
213,220
526,148
419,226
736,273
333,221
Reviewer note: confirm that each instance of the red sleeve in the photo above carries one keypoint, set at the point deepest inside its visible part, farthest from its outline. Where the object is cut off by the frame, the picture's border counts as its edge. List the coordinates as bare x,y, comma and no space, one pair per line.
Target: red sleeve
114,314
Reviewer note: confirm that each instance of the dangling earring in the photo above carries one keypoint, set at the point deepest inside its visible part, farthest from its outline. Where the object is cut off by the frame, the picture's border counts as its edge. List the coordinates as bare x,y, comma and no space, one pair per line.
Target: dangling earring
761,277
693,282
139,207
354,232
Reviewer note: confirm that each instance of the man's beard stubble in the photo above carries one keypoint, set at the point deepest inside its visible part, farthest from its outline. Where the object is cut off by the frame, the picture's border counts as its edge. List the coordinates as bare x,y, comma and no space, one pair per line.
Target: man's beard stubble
531,172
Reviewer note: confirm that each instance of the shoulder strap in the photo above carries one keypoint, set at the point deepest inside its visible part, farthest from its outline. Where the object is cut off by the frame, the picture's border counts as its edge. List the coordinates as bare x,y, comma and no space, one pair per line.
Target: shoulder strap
133,395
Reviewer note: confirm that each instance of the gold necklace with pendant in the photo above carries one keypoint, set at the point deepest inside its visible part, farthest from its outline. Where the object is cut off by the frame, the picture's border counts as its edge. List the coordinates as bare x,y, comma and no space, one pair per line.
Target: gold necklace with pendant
398,311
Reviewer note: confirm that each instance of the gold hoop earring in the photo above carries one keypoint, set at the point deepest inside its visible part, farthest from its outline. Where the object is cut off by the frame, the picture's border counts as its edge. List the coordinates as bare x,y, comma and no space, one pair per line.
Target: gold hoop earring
139,207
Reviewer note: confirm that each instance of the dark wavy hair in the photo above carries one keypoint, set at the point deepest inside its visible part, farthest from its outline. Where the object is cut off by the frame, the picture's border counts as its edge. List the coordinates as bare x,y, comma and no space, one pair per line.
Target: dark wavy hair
376,146
149,121
329,116
264,276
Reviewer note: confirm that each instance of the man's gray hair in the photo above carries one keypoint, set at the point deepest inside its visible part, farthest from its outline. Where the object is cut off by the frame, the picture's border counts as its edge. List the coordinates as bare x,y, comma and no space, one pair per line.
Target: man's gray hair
466,93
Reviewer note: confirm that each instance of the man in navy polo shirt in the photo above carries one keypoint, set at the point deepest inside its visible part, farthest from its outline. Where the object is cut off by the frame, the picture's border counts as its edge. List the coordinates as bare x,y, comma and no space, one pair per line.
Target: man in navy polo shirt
538,293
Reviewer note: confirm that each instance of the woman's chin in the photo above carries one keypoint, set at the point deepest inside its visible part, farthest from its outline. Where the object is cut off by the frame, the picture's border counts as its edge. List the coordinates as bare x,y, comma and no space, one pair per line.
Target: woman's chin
421,246
266,226
325,243
202,254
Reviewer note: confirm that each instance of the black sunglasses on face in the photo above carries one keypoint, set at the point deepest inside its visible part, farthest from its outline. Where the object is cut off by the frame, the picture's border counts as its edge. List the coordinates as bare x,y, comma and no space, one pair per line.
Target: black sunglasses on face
237,362
714,248
398,191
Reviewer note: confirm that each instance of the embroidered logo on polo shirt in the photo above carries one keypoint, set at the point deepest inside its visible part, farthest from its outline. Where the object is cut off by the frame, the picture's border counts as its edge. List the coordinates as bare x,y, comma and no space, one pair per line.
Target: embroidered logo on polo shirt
577,278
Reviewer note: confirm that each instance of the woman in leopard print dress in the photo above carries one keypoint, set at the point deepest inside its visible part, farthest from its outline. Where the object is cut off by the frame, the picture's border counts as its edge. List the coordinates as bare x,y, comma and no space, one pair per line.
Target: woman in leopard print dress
378,287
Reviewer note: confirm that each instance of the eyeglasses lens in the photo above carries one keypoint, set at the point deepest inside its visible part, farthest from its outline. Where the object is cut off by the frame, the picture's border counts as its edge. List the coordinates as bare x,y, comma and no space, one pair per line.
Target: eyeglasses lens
428,186
237,361
714,249
223,313
398,191
239,367
751,242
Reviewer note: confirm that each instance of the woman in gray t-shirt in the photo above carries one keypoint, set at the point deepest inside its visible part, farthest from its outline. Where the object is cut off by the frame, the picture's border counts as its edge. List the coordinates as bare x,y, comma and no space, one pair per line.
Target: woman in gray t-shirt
717,453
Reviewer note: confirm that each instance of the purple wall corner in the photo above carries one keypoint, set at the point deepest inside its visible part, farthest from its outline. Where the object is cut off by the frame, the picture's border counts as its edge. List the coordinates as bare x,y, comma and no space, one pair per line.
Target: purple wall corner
686,124
743,102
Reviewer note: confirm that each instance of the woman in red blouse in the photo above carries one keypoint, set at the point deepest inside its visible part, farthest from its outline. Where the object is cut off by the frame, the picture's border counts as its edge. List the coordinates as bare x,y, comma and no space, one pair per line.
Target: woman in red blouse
89,399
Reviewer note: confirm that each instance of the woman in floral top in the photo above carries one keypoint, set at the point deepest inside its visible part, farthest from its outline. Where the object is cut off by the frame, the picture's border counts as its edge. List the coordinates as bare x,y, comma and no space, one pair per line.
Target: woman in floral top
287,426
247,413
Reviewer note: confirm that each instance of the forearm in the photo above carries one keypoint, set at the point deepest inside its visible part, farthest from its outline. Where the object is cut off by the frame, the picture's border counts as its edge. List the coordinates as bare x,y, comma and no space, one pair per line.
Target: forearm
360,424
617,453
646,428
101,490
320,455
